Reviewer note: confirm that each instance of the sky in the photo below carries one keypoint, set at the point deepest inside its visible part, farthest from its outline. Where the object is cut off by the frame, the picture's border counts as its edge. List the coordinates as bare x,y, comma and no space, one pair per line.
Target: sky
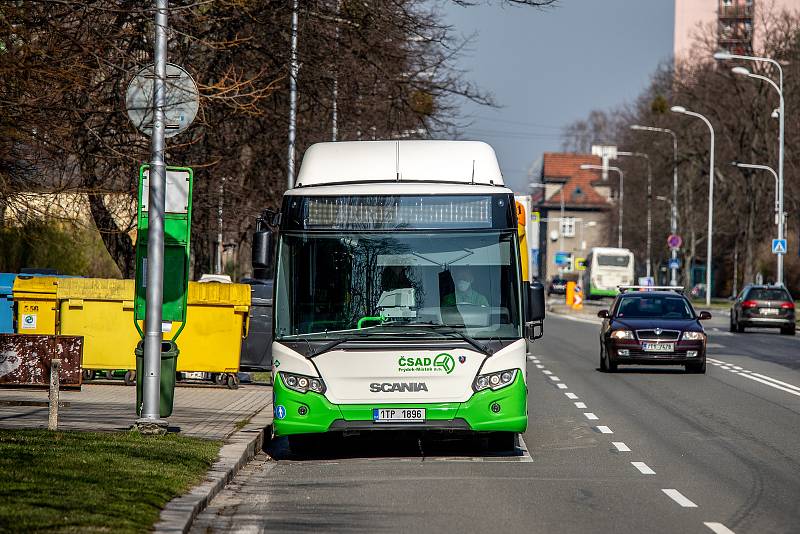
550,67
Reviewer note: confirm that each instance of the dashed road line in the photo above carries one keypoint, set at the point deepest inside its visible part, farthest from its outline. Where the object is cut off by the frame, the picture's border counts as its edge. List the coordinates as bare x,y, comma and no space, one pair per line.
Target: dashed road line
539,366
545,371
571,395
621,447
604,430
581,405
643,468
561,386
554,378
719,528
590,416
679,498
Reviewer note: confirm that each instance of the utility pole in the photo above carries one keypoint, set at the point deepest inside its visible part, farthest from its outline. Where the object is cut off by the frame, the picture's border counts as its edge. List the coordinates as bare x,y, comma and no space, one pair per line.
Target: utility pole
220,246
151,381
293,68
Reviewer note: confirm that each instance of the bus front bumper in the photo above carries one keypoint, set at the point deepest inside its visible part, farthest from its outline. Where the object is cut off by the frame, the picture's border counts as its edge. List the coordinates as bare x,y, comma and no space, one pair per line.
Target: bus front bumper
486,411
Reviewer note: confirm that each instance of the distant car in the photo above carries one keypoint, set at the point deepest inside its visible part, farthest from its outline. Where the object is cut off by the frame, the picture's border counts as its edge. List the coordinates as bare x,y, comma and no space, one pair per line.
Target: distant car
557,286
765,307
657,326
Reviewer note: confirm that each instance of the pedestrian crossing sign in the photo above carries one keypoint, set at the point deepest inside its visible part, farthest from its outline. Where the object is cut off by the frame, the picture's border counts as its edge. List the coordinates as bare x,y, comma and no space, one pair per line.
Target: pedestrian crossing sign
779,246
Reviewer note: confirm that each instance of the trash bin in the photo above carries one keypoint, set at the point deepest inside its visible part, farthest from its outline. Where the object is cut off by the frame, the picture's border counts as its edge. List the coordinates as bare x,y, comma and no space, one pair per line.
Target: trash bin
216,322
35,297
7,303
100,310
169,359
257,346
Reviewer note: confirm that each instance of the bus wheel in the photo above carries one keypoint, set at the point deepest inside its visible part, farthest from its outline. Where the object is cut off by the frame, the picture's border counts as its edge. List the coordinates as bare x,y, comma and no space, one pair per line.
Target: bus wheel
130,378
502,441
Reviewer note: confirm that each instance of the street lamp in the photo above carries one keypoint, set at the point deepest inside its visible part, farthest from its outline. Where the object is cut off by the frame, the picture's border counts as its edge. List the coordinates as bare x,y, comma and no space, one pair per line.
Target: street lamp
649,202
684,111
587,167
674,218
774,175
741,71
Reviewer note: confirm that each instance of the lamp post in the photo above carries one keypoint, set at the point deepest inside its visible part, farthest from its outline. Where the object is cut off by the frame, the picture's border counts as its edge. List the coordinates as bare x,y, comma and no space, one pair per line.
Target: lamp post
778,218
586,167
741,71
709,244
649,202
674,218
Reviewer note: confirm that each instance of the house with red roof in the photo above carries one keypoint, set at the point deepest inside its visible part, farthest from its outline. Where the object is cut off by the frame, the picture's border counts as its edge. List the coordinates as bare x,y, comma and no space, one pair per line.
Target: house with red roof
576,210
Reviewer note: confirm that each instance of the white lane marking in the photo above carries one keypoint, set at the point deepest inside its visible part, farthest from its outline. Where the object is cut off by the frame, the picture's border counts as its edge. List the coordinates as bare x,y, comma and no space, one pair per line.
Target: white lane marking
770,384
737,367
679,498
725,367
526,457
555,378
561,386
547,372
540,366
590,416
571,395
581,405
719,528
604,430
715,346
536,360
784,384
734,371
621,447
643,468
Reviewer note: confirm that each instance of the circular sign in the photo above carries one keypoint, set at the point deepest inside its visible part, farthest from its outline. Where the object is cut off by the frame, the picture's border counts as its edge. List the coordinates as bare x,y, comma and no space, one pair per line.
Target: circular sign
182,100
674,241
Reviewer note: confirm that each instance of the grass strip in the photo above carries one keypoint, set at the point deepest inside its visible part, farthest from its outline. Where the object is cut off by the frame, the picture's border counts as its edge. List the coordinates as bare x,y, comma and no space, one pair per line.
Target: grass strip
93,482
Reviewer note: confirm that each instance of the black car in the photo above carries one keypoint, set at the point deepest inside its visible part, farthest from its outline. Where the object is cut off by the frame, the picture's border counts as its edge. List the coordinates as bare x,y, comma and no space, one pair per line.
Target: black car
557,286
765,307
656,326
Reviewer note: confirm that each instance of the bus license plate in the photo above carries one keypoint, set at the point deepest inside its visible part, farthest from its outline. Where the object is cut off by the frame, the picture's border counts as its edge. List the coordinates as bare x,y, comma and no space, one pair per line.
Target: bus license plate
398,415
659,347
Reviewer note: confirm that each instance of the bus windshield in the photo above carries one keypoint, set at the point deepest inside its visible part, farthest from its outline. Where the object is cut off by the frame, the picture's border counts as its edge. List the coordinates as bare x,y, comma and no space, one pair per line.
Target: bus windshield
359,284
607,260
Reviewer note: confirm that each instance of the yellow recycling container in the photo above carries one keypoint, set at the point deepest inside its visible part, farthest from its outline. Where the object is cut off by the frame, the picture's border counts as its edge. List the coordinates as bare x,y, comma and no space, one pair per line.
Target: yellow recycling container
101,311
217,318
35,298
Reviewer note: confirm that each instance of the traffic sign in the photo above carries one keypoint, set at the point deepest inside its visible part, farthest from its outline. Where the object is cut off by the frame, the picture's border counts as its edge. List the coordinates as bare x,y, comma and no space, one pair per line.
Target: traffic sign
182,100
779,246
674,263
674,241
535,216
580,264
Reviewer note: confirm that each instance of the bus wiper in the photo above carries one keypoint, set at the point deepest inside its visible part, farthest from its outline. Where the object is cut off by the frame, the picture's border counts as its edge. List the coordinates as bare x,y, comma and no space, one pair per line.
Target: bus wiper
327,346
471,340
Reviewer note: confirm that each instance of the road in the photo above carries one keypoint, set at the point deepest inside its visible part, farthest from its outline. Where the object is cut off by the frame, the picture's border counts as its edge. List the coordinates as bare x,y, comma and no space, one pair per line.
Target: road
642,450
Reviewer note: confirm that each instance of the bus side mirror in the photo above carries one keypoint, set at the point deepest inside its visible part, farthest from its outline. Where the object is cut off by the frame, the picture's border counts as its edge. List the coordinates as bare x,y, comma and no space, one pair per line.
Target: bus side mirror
262,254
534,310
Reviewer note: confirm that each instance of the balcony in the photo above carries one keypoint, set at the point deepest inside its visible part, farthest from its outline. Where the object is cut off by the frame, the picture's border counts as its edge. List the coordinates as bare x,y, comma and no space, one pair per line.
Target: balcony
735,11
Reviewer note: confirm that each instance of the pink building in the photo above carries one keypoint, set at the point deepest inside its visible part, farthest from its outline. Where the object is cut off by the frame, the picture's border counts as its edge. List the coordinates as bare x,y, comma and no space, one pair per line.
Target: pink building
737,23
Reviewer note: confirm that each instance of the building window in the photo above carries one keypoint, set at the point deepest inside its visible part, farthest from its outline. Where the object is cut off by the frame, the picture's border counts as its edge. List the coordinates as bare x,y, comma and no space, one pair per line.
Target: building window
568,226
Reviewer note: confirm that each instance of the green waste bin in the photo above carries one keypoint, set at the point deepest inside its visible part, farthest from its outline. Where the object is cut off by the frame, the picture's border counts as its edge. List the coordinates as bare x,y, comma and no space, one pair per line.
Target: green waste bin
169,360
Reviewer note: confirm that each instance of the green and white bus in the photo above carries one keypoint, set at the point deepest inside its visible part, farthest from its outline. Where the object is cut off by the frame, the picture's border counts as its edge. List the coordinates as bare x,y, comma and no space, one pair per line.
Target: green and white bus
606,269
399,299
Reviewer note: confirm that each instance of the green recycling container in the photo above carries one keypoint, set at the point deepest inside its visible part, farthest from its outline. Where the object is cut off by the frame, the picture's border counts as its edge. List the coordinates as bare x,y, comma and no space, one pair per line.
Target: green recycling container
169,361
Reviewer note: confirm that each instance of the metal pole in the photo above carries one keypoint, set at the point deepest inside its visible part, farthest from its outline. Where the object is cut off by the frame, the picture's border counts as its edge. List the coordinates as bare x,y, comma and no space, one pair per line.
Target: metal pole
673,279
151,381
220,246
335,106
621,204
292,99
649,219
780,185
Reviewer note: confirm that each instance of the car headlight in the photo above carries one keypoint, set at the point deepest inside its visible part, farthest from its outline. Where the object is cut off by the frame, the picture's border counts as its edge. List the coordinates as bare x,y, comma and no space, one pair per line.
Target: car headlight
494,381
693,336
302,383
622,334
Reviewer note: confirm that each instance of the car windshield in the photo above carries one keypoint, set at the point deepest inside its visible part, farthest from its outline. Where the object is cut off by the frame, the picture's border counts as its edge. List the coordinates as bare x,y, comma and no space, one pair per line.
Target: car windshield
369,284
654,307
767,294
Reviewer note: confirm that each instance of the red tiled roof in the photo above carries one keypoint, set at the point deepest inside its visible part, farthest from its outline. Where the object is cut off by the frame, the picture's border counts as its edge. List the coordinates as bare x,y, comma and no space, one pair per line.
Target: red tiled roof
559,167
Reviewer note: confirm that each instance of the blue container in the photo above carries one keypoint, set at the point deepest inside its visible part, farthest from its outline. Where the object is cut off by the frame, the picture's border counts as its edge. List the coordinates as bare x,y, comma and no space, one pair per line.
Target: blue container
6,303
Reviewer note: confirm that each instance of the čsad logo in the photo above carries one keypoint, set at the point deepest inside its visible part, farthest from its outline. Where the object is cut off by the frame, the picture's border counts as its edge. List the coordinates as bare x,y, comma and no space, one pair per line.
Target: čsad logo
445,361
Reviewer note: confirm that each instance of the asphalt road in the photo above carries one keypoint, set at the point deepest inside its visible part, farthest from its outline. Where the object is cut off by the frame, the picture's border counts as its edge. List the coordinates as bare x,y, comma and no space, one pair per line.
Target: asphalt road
642,450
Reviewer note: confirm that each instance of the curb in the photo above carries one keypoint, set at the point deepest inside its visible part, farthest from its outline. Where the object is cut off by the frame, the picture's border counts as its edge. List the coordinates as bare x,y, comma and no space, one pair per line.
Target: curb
240,447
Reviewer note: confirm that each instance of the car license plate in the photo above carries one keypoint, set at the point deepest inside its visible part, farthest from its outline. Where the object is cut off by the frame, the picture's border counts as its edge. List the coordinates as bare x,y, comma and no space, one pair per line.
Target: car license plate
398,415
768,311
659,347
194,375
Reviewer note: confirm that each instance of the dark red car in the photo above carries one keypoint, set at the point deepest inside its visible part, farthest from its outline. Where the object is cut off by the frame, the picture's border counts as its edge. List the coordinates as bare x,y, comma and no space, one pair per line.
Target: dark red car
652,326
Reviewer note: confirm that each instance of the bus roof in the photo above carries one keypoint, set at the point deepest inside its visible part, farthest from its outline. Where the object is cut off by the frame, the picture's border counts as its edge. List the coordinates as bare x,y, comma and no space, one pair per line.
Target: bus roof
463,162
610,250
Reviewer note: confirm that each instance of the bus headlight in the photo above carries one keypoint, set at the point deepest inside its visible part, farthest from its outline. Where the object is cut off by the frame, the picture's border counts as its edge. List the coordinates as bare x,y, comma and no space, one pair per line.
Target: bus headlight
494,381
302,383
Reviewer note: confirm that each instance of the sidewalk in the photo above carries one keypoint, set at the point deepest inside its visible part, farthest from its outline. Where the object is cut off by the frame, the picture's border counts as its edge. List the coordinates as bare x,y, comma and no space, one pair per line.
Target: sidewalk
202,411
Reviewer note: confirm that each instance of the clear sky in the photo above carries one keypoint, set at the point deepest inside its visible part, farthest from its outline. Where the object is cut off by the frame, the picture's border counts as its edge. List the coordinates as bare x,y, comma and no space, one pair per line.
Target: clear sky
550,67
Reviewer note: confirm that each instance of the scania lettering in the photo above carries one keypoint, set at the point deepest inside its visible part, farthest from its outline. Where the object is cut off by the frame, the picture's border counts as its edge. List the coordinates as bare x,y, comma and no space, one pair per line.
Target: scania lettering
400,301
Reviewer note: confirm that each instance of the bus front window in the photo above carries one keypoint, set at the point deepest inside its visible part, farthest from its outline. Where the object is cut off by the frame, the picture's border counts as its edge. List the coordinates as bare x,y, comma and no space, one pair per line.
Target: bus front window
389,284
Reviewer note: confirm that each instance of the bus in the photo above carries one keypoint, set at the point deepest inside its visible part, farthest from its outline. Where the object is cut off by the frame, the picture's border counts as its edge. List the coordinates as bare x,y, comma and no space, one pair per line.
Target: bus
607,269
399,302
